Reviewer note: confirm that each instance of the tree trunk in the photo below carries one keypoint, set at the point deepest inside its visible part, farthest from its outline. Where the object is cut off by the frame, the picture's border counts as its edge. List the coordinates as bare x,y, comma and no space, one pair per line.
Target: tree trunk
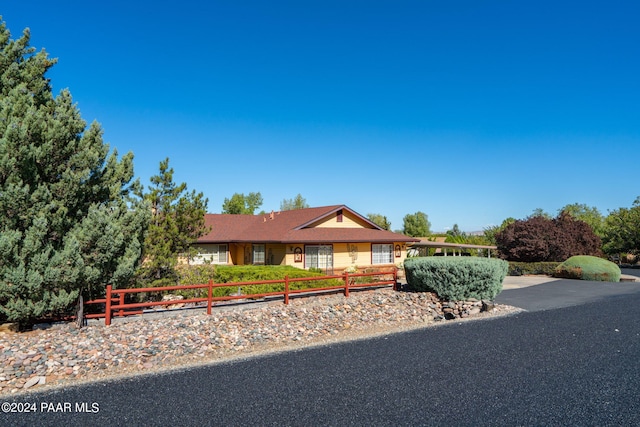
80,312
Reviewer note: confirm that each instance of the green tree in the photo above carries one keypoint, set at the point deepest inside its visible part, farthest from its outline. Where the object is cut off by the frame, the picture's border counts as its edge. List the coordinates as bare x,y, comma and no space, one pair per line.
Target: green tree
380,220
177,222
622,230
241,204
70,223
455,235
298,202
539,212
590,215
416,225
490,232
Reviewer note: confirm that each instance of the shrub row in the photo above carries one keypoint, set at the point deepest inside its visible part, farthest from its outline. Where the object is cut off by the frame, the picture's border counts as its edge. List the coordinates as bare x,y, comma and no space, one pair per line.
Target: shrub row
456,278
522,268
252,273
201,274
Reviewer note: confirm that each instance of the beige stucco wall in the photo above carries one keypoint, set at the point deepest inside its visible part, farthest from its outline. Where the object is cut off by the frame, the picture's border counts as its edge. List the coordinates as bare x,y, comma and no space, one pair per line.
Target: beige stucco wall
281,254
343,256
348,221
236,252
289,258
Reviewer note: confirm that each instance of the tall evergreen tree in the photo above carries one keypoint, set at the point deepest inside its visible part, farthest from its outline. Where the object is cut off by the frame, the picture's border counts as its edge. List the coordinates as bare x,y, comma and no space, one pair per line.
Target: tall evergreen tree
177,222
69,223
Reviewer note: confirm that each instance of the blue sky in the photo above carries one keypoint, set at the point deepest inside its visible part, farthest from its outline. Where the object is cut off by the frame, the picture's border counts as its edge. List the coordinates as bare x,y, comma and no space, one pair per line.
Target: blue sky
469,111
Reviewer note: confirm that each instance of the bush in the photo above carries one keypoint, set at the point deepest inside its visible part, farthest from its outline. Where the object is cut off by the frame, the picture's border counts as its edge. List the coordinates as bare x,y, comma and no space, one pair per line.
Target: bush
201,274
586,267
456,278
539,239
522,268
196,274
255,273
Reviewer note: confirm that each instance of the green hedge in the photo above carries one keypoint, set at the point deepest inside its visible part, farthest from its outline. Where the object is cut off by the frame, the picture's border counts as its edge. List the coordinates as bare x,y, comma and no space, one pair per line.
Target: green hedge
522,268
200,274
456,278
586,267
254,273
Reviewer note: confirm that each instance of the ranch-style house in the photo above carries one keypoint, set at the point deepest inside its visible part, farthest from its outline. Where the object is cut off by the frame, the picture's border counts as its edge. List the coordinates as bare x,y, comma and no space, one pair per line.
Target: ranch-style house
330,238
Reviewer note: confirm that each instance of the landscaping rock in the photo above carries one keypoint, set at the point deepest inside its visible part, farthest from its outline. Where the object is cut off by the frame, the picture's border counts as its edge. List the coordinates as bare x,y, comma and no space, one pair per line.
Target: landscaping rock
64,354
31,382
488,305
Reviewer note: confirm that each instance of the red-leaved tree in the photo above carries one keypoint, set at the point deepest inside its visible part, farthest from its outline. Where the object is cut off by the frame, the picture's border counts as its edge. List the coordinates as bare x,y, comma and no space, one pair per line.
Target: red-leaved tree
538,239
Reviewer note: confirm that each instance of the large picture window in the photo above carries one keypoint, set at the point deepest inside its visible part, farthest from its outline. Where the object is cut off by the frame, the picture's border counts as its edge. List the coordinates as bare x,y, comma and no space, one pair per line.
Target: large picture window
214,254
382,254
258,254
320,256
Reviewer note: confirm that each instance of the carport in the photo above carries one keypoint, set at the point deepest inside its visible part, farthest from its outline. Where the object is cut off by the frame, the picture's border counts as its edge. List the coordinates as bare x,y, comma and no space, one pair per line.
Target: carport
443,248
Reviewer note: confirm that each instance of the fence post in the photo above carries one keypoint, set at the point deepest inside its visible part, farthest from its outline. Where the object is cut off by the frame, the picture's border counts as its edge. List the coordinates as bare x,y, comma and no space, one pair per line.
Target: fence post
286,289
346,284
210,297
107,309
121,312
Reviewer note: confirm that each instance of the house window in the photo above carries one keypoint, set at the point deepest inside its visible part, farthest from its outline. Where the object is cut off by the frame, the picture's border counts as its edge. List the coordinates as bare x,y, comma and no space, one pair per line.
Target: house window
382,254
320,256
258,254
339,216
214,254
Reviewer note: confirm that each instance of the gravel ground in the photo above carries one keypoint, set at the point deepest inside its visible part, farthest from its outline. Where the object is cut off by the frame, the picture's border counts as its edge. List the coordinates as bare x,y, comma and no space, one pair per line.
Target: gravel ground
61,354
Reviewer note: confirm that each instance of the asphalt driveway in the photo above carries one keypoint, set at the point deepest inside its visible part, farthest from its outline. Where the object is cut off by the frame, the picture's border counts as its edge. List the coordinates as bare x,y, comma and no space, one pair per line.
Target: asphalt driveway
536,293
575,366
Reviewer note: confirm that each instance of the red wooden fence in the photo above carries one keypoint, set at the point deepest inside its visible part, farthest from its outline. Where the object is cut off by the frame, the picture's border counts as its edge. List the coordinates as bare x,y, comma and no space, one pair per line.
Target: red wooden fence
115,305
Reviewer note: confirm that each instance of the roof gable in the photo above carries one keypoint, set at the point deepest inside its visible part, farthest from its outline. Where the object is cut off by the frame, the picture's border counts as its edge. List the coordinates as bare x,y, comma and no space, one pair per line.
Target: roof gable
328,219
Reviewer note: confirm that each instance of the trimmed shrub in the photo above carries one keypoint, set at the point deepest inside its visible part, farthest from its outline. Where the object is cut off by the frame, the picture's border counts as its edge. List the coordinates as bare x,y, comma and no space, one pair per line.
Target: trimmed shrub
522,268
585,267
456,278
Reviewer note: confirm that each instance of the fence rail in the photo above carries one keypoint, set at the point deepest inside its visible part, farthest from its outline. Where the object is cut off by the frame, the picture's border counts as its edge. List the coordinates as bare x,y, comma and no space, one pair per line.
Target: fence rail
115,305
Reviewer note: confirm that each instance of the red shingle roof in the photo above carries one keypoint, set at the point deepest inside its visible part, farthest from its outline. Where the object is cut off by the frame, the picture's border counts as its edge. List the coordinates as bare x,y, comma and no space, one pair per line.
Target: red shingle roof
293,227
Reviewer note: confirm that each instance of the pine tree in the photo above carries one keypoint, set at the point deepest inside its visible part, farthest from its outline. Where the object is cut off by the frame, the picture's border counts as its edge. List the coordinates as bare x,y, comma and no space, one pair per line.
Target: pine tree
69,224
177,222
